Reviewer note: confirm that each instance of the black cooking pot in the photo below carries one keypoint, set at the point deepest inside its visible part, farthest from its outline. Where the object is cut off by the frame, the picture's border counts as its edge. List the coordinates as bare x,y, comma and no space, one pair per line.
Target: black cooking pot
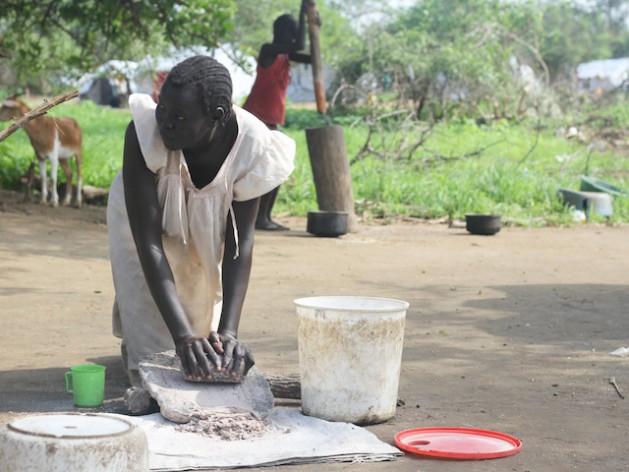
482,224
327,223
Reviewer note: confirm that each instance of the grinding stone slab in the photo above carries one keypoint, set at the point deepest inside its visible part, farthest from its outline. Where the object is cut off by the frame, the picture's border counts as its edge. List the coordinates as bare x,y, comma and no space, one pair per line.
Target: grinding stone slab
182,401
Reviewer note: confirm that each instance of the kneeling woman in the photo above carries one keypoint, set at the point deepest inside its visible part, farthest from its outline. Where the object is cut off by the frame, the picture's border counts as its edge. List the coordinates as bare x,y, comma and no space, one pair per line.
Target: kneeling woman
181,217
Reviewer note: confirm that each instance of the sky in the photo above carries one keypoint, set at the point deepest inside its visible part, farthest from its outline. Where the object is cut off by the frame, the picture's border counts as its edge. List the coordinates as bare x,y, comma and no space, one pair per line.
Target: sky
370,18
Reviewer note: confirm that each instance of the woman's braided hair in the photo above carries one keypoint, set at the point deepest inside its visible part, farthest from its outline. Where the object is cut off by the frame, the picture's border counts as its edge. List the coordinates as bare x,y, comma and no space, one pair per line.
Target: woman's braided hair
211,79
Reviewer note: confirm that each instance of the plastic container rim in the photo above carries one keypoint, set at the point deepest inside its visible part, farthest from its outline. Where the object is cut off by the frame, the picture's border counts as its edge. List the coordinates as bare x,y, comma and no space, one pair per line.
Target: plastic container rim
14,425
311,302
401,438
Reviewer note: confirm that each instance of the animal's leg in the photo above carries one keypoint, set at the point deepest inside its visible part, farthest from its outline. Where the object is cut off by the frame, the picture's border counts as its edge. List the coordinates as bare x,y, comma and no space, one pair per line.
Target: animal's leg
44,181
65,165
79,178
54,156
54,167
30,176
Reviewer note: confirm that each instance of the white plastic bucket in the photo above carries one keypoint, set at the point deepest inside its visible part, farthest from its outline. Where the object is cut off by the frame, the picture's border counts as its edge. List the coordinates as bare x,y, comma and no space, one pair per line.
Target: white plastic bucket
350,354
72,442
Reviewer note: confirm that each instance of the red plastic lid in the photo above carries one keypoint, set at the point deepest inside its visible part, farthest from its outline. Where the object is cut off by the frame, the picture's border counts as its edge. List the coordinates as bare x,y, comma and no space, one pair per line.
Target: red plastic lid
457,443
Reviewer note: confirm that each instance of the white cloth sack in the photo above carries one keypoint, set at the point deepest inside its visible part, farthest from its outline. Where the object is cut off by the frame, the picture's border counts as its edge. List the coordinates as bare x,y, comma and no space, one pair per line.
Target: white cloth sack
300,439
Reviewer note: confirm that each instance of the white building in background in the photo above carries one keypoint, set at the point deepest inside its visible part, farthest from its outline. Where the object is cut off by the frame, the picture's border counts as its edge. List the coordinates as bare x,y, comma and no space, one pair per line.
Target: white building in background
113,81
301,86
110,84
150,67
603,75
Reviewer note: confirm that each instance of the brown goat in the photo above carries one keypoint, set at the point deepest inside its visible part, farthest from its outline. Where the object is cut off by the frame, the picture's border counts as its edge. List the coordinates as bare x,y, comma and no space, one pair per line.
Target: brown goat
57,139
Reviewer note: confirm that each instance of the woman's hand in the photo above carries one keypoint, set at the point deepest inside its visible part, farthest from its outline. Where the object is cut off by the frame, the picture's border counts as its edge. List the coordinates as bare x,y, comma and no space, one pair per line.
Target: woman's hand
196,353
237,356
305,5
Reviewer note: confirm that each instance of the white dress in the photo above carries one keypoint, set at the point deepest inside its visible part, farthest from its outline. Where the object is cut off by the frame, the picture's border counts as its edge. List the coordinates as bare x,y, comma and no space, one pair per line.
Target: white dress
194,224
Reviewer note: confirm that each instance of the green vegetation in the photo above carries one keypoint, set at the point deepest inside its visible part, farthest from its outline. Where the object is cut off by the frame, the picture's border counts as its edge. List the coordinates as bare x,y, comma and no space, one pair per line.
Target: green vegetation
511,169
448,107
502,167
44,39
103,133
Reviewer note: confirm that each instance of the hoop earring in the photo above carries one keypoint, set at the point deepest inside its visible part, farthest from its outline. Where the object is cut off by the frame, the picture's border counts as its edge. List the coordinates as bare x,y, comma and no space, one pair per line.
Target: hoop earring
219,114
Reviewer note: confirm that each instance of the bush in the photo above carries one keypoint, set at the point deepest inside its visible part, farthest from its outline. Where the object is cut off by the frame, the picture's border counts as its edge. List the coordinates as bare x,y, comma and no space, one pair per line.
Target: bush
502,167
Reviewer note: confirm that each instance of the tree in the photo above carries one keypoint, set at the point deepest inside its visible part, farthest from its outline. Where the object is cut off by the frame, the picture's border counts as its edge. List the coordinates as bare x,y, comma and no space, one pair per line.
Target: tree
55,35
469,54
458,50
616,13
570,35
253,23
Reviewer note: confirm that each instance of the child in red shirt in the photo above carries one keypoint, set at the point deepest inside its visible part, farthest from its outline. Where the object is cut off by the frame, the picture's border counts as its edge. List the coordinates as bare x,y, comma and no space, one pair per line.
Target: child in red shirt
267,99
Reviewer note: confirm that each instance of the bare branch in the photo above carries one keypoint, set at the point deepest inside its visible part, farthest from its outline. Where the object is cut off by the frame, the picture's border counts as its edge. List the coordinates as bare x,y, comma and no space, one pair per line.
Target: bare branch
537,134
36,113
422,139
531,48
475,153
364,150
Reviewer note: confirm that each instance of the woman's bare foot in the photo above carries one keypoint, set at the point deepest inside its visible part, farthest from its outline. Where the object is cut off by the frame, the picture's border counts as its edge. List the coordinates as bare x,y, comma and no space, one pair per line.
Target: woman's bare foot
268,225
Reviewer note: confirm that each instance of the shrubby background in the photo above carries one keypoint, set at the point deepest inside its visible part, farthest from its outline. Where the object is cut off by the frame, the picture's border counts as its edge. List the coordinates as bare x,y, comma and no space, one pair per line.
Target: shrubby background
447,107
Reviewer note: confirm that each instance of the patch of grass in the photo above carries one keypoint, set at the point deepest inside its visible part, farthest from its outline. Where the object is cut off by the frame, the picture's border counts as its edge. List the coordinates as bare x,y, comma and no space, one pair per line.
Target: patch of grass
511,169
103,133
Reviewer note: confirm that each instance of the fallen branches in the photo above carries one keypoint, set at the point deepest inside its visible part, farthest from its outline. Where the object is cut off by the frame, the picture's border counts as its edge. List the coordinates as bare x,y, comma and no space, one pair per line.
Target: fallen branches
36,113
400,130
475,153
538,130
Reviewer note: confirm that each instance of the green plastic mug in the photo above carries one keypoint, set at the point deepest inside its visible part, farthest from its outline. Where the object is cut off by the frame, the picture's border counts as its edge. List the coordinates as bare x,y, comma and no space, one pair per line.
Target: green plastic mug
86,382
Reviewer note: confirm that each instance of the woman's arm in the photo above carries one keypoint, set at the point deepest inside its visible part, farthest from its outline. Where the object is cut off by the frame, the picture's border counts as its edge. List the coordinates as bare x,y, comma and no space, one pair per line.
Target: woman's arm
145,219
301,37
269,51
236,271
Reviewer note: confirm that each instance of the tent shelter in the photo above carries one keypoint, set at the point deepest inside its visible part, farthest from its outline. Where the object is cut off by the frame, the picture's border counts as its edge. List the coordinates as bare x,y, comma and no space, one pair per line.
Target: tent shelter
113,81
153,70
603,75
110,84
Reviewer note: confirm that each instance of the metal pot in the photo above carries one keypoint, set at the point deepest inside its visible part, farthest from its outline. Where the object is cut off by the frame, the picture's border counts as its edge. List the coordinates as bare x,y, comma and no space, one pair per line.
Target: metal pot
486,225
327,223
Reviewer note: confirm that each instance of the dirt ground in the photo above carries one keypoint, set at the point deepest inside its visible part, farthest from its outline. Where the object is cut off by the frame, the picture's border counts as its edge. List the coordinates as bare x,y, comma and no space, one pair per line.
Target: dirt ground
511,332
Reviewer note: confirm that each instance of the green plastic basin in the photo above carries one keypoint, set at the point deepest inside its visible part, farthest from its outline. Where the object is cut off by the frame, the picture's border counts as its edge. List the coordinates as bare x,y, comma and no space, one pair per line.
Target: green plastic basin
592,184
